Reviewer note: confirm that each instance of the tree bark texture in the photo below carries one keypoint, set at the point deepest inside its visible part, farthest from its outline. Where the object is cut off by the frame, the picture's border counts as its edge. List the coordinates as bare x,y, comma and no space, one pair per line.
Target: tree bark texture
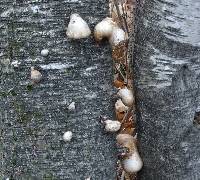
34,118
167,67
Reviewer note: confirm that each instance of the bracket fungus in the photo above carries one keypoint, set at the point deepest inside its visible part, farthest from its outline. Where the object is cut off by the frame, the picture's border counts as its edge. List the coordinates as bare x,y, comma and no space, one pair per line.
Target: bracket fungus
77,27
72,106
118,35
127,96
36,76
131,161
109,29
120,107
104,29
45,52
67,136
112,126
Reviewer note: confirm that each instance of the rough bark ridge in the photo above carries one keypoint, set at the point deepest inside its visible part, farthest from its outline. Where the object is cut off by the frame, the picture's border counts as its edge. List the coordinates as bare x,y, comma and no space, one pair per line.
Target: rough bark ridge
167,56
34,118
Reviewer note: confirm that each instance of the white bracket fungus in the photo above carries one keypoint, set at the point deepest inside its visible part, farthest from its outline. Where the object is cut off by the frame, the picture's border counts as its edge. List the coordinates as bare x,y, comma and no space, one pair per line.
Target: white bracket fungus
104,29
120,107
77,27
132,162
127,96
107,28
67,136
118,35
72,106
36,76
45,52
112,126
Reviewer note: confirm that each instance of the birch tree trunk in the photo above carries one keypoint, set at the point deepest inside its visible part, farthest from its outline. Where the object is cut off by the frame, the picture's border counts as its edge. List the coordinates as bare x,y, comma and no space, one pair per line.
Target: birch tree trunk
34,118
167,66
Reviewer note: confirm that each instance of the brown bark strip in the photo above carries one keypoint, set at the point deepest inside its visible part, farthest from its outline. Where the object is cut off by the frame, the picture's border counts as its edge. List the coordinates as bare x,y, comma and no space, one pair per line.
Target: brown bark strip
122,12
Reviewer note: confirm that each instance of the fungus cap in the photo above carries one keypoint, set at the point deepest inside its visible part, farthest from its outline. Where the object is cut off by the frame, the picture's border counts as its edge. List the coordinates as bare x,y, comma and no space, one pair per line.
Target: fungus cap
104,29
118,35
67,136
133,163
72,106
36,76
112,126
77,27
120,107
45,52
127,96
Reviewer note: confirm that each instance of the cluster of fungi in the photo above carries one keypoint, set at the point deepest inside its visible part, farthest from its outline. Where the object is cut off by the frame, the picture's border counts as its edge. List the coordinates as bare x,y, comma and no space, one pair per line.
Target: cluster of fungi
118,29
122,12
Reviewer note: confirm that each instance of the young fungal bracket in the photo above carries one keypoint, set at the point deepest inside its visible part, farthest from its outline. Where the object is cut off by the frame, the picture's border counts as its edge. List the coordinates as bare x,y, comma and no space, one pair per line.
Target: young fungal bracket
120,40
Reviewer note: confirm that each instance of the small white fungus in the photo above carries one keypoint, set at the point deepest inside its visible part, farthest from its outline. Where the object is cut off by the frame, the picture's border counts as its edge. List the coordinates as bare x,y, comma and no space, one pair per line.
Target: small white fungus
72,106
127,96
45,52
120,107
112,126
77,27
36,76
67,136
104,29
133,163
118,35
